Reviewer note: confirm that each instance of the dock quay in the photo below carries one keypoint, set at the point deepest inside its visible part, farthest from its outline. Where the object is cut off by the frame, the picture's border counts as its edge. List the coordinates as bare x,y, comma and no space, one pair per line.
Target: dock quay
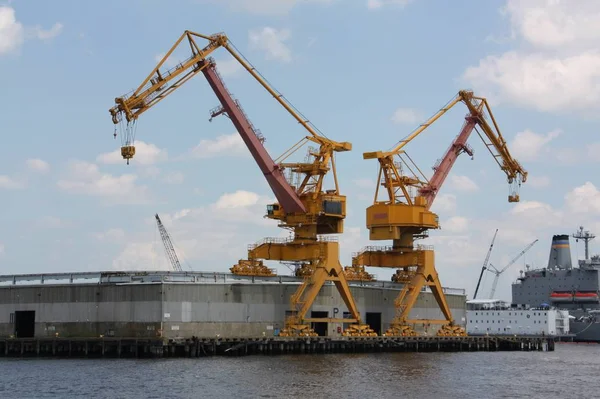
157,348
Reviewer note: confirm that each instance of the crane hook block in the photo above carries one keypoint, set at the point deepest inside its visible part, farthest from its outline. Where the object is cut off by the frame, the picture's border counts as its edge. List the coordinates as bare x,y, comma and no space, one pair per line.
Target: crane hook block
127,152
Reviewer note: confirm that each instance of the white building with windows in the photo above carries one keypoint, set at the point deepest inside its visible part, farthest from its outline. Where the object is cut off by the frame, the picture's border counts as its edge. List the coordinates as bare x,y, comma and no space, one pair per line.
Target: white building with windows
496,317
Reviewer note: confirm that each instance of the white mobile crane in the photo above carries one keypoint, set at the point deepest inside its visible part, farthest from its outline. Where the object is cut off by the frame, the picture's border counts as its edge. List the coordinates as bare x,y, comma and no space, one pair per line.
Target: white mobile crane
169,249
492,269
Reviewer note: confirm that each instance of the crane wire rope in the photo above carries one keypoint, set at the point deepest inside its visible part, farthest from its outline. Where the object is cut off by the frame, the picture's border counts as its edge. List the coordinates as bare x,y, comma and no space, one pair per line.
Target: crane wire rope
276,91
404,138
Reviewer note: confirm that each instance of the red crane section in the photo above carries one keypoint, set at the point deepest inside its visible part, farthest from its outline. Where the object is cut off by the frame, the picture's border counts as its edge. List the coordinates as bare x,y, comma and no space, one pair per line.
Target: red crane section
442,168
286,196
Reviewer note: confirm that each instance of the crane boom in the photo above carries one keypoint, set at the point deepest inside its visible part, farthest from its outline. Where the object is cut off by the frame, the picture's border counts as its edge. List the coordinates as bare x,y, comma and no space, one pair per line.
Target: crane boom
169,249
485,263
442,169
512,262
287,197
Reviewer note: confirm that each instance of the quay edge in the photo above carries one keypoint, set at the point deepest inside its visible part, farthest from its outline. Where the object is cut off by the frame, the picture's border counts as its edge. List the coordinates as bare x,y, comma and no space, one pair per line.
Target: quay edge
153,348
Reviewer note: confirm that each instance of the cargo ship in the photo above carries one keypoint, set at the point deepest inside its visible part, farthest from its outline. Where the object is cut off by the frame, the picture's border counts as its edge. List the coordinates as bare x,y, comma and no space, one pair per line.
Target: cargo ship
565,287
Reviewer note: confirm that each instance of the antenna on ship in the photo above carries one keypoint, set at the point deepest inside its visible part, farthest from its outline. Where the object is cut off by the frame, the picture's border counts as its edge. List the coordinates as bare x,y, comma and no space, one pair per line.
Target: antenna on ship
586,236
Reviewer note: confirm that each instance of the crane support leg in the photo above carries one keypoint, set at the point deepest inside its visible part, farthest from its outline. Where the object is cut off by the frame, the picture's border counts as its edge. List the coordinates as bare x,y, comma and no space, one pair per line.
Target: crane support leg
327,268
417,270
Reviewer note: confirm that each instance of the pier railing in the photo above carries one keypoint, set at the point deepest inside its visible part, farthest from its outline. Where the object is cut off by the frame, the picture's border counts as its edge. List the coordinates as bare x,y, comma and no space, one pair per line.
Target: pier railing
183,277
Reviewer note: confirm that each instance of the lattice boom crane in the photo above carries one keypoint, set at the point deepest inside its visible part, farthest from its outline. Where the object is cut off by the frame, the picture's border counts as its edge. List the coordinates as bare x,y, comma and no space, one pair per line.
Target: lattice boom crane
169,249
402,218
307,209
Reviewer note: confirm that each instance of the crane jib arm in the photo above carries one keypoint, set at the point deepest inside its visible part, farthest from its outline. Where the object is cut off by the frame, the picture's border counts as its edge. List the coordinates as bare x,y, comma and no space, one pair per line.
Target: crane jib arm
459,145
286,196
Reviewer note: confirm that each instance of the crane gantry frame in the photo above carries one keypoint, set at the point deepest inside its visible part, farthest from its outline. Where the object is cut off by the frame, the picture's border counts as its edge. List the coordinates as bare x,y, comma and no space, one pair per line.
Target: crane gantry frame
403,219
308,210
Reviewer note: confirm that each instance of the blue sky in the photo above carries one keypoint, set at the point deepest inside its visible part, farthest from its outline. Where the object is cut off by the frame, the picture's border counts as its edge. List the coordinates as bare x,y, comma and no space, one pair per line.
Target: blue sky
362,71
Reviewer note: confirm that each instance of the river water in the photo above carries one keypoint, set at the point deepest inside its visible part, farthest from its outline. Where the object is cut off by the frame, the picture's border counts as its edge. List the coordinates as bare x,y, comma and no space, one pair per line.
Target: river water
571,371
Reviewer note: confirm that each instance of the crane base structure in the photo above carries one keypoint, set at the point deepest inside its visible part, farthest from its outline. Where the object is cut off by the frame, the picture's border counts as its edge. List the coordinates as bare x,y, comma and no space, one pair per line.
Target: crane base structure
246,267
416,271
326,267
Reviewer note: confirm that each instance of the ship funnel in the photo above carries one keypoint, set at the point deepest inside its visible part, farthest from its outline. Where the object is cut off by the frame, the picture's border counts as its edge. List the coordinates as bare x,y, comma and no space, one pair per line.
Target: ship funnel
560,253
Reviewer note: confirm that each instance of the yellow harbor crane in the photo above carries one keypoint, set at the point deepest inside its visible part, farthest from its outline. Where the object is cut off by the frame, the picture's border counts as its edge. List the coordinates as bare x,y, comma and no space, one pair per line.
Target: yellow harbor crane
303,206
404,214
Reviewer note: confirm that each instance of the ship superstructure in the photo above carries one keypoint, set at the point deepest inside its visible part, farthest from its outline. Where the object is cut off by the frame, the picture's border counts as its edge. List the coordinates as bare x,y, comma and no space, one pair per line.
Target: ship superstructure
561,285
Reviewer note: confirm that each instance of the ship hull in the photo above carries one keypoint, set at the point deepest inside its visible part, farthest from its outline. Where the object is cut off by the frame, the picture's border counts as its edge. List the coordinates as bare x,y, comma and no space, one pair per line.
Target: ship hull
585,331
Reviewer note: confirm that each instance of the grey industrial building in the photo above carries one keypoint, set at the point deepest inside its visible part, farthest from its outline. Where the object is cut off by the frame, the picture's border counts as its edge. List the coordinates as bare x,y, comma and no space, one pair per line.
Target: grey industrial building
184,304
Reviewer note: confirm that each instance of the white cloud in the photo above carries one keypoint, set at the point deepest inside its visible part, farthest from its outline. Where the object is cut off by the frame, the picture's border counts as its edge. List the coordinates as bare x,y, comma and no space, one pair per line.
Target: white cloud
535,80
557,67
463,183
265,7
86,178
555,24
217,233
9,183
139,256
230,67
145,154
11,31
51,33
377,4
536,212
584,199
408,116
456,224
239,199
225,144
271,42
538,181
110,234
444,203
38,165
527,145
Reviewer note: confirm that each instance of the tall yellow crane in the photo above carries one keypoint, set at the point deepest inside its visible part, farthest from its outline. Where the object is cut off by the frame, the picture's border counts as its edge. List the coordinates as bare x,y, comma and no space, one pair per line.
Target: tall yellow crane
303,206
404,214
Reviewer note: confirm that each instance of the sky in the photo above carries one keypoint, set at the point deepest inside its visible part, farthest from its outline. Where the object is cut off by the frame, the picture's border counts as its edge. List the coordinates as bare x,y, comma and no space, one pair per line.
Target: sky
364,71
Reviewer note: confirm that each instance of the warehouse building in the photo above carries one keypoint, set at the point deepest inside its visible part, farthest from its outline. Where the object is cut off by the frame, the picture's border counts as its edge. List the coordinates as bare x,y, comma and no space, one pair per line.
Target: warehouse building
186,304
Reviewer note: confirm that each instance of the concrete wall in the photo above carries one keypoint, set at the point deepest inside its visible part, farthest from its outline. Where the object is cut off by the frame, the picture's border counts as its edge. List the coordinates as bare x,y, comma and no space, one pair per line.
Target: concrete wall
183,310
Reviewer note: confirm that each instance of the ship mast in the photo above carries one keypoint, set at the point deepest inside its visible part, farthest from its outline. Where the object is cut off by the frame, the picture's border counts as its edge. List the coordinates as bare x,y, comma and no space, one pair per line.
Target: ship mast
586,236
